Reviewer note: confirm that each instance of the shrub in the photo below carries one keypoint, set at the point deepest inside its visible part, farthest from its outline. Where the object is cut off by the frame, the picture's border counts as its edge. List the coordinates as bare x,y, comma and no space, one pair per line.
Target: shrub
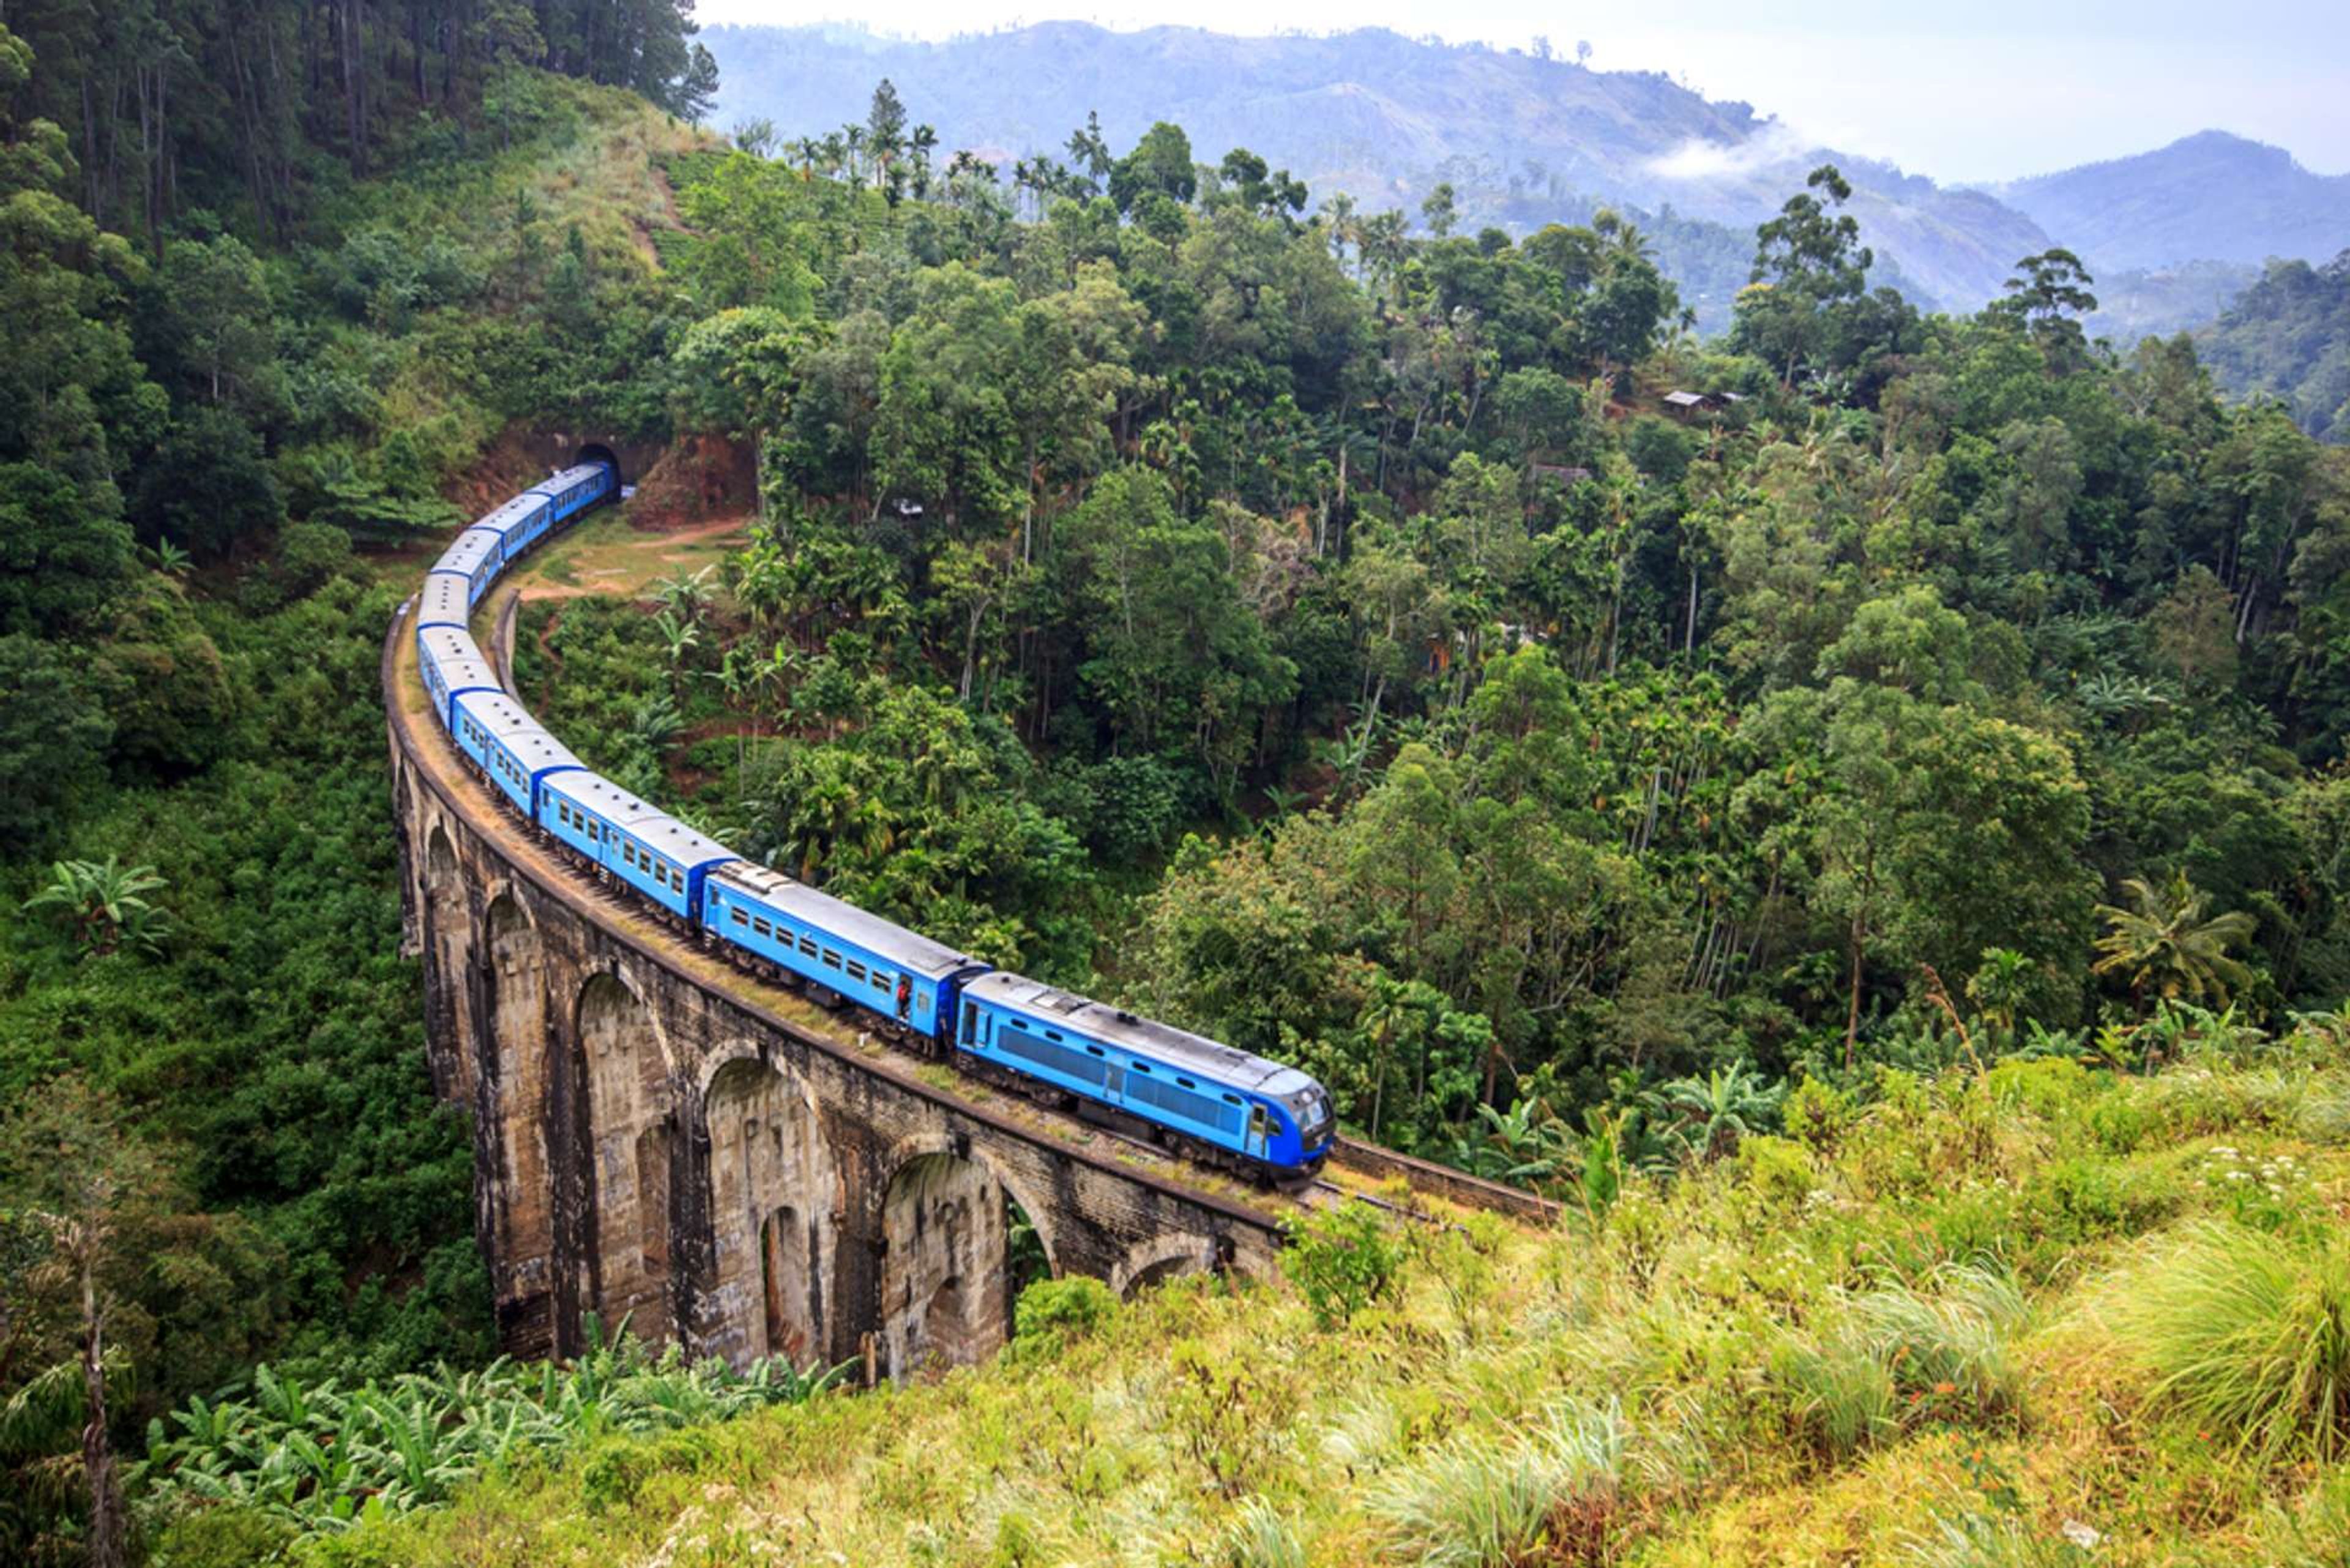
2247,1335
1478,1501
1342,1260
2046,1086
2083,1198
1052,1314
222,1537
1817,1115
1776,1170
1229,1414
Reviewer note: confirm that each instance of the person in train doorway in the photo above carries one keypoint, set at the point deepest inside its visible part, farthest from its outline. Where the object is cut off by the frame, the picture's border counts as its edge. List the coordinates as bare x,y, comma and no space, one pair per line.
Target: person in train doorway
905,999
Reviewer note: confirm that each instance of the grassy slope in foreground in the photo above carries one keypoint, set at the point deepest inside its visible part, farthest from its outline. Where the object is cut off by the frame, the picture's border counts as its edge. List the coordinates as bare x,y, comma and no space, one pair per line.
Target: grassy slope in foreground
1947,1327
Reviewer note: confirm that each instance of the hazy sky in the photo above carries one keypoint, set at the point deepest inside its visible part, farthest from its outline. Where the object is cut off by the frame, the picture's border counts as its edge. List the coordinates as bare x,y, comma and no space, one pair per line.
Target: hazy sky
1965,90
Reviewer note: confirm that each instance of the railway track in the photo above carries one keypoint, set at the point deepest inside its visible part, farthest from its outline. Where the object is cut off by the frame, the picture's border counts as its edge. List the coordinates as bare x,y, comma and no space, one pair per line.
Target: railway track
616,909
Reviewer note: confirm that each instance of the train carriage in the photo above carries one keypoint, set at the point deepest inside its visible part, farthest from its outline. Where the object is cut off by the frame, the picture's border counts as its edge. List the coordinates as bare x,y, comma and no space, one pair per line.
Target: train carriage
509,745
575,490
476,558
876,963
1205,1091
519,523
639,845
446,601
452,666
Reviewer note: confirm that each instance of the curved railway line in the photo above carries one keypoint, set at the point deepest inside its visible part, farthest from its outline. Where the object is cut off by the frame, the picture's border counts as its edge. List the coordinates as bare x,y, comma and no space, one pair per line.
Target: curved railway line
1354,1170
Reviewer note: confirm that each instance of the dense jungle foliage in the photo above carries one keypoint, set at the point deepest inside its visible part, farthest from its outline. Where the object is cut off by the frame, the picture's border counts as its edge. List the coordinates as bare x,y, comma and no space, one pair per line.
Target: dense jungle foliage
1310,625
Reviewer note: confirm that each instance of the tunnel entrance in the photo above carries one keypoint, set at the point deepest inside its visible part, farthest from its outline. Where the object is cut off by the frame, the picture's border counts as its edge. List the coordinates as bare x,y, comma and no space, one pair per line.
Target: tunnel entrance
596,452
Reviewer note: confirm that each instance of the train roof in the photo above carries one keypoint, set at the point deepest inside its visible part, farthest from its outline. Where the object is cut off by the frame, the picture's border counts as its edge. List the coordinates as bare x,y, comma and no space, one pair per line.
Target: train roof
516,730
1144,1036
510,515
444,600
460,658
605,798
886,938
564,479
674,839
471,547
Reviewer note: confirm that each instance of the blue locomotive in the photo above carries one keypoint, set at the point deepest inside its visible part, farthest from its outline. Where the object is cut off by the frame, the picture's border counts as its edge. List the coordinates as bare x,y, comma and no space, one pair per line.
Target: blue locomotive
1236,1109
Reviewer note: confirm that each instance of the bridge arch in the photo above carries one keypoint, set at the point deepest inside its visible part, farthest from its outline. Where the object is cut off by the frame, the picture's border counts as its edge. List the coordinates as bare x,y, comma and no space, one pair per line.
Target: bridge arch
945,1292
450,1035
508,1062
1163,1257
774,1205
624,1076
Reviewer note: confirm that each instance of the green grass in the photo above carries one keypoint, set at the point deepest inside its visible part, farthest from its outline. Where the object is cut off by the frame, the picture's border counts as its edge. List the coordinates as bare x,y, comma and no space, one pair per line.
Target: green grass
1720,1371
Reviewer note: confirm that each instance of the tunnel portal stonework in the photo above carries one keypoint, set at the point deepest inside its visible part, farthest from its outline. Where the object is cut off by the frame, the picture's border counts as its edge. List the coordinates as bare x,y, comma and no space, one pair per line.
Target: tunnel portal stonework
652,1144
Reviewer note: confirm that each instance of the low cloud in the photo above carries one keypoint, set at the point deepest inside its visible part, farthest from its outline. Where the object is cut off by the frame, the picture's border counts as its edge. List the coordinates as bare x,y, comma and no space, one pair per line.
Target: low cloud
1699,159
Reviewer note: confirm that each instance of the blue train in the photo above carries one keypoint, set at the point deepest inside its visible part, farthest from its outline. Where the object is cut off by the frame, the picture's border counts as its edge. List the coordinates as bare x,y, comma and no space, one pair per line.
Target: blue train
1234,1109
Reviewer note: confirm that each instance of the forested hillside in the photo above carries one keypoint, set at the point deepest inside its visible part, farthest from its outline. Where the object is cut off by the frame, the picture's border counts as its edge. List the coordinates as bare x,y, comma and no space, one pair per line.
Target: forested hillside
1867,836
2288,336
224,430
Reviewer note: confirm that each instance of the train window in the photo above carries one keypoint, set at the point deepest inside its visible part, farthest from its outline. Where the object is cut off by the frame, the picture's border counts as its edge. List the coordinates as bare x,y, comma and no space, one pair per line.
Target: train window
740,918
1232,1099
759,925
808,944
970,1021
1019,1023
1187,1082
881,982
1094,1049
856,969
1142,1066
831,959
1052,1035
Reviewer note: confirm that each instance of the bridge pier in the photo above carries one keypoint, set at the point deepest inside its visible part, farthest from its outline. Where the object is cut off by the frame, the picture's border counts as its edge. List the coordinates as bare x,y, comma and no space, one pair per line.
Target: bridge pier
659,1141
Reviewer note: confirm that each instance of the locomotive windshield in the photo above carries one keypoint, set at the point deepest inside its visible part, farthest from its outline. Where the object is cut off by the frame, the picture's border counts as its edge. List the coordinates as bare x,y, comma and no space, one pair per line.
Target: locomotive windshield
1312,1109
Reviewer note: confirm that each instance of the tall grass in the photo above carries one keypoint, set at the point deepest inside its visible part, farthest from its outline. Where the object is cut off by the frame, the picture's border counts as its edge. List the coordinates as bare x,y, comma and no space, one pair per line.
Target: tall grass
1989,1541
1482,1502
1900,1356
2247,1335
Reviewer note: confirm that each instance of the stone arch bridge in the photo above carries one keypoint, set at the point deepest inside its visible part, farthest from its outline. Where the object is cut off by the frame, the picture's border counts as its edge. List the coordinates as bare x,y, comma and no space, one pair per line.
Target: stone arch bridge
661,1138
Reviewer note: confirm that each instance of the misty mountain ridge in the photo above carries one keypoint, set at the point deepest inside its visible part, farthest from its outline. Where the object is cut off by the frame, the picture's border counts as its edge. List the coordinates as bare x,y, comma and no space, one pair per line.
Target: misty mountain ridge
1526,140
2213,196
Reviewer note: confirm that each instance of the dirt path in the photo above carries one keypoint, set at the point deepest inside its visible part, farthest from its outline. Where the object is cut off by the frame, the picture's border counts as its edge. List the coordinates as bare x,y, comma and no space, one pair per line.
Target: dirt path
605,555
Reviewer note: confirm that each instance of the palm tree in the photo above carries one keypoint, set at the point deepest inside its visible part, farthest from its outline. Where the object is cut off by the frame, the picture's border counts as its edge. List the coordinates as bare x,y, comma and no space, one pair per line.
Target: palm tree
1709,1115
687,595
679,638
925,140
2002,987
2167,946
104,904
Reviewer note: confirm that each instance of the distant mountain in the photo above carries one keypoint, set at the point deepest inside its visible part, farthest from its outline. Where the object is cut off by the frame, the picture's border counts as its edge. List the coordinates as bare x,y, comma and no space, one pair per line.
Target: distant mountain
2136,303
1523,140
2210,197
